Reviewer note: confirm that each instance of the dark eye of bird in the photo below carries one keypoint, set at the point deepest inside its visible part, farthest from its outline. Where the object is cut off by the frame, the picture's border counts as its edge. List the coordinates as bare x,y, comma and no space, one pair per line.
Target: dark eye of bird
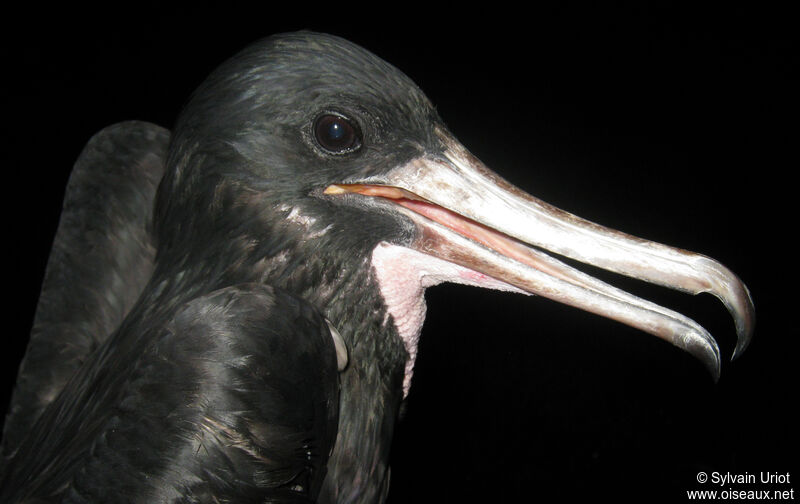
337,134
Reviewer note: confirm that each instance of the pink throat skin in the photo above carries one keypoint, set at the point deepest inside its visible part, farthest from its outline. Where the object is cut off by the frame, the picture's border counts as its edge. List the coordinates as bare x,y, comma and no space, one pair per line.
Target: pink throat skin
403,274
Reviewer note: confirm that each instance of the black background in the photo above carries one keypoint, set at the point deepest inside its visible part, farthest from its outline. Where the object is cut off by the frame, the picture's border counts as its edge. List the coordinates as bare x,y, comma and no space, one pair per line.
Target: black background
670,123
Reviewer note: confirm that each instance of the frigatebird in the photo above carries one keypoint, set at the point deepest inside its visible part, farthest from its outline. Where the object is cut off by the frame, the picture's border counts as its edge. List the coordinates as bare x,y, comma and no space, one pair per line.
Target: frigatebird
231,310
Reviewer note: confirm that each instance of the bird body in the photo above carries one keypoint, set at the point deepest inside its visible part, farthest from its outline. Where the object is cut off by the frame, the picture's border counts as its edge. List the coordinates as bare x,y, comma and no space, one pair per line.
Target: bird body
207,302
247,331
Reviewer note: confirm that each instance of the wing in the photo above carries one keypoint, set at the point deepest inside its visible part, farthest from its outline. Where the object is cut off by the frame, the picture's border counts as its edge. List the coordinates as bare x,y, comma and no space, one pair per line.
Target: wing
101,259
234,399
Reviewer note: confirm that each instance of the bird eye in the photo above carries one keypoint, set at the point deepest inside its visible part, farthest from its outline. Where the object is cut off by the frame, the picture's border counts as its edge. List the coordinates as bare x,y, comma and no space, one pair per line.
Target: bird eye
337,134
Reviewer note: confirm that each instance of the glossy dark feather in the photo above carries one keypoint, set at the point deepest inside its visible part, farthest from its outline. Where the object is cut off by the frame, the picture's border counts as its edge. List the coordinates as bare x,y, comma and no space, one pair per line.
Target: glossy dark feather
233,398
102,257
233,209
216,373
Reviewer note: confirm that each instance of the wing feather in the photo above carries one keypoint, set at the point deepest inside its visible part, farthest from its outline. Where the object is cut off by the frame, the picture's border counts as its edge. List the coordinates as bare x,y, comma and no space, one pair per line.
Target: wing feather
232,399
101,259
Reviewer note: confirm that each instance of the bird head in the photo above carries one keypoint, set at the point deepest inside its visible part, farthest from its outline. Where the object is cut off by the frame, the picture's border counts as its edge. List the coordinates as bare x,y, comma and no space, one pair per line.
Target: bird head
352,157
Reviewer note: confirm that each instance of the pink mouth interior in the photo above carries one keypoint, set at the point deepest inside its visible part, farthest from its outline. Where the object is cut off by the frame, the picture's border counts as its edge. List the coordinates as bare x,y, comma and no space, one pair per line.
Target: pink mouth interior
475,231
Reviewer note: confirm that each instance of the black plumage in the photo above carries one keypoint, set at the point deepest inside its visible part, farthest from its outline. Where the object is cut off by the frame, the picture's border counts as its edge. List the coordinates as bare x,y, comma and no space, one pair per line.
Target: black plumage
215,403
101,260
227,193
213,375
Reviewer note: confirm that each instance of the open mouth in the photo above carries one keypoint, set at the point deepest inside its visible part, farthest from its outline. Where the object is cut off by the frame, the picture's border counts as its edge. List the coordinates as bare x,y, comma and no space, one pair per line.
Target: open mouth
467,215
469,228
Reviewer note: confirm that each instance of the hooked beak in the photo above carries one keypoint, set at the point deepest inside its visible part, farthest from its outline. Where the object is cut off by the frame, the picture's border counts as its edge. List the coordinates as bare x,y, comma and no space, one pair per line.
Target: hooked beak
468,215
